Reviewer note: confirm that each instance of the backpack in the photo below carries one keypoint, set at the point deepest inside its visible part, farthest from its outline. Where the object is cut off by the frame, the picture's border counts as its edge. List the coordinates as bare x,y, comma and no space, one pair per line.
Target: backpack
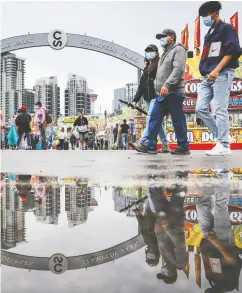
48,118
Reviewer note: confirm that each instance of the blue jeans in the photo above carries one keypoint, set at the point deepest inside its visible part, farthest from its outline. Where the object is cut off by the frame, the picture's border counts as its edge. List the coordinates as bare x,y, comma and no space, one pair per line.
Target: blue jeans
175,105
124,139
162,134
219,92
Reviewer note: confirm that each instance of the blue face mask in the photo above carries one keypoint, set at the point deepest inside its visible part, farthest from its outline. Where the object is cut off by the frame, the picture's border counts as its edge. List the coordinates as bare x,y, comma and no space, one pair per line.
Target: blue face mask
150,55
163,42
208,21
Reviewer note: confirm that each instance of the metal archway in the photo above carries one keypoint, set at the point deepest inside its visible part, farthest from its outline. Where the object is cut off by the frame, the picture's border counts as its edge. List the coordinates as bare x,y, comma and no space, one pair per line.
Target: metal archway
57,40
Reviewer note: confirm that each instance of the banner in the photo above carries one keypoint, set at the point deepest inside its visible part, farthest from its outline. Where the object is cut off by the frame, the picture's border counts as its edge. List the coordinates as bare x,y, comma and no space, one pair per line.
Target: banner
186,44
197,36
234,20
183,37
204,136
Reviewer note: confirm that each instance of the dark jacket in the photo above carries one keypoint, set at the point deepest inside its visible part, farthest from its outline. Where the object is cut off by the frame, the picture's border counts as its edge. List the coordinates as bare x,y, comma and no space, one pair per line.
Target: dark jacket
146,87
221,42
81,122
23,122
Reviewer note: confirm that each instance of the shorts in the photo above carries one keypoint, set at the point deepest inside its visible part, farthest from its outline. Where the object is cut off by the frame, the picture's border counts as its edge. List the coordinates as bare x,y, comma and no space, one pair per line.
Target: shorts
83,136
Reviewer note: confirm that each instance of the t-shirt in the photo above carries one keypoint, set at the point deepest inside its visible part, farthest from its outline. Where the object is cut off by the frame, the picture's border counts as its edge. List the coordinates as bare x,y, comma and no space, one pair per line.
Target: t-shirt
220,42
61,135
124,128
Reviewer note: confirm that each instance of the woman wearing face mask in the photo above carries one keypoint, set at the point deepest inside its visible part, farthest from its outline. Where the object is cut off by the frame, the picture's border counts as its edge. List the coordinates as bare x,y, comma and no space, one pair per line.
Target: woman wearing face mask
147,90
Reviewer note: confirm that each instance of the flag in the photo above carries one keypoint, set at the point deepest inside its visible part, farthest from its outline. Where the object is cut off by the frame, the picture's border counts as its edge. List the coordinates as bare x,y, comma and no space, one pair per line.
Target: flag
183,37
234,20
197,36
186,45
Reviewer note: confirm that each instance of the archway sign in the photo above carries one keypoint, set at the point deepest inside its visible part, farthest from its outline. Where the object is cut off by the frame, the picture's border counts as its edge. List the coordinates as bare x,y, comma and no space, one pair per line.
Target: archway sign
58,263
58,39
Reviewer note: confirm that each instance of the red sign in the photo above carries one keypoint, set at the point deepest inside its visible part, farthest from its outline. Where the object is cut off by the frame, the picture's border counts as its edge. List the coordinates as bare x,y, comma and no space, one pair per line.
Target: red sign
235,214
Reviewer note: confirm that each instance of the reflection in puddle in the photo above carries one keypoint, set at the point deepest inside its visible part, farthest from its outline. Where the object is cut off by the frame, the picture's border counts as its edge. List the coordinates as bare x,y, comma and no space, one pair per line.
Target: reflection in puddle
187,229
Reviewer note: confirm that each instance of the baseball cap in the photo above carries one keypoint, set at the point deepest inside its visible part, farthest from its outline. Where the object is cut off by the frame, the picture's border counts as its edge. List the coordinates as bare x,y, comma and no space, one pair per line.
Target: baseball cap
166,32
23,108
152,47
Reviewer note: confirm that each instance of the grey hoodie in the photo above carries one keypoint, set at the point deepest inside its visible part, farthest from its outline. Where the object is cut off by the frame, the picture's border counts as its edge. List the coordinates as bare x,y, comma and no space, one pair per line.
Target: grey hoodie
171,69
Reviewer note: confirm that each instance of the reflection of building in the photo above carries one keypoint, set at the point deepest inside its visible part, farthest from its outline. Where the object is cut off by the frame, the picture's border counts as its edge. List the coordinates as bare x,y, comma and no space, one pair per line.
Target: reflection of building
48,210
77,203
12,218
48,92
77,97
122,200
29,202
12,85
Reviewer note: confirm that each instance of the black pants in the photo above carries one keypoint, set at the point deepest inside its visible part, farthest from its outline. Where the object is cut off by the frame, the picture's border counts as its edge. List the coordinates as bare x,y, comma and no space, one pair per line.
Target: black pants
43,136
20,134
61,144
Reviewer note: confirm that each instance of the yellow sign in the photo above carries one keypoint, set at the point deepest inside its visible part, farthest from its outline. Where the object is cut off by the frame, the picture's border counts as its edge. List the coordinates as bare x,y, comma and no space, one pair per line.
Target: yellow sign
204,136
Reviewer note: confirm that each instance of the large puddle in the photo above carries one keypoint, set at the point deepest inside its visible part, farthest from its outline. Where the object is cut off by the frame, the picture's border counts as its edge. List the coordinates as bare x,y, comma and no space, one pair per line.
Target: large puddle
181,234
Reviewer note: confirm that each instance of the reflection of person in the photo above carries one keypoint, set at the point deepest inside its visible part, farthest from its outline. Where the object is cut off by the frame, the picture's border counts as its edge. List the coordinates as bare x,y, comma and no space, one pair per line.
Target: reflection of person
169,229
146,220
220,256
170,234
217,65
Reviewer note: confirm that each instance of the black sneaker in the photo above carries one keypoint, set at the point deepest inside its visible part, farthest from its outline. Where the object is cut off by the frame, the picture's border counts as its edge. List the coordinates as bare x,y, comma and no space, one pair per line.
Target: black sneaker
132,145
180,151
141,148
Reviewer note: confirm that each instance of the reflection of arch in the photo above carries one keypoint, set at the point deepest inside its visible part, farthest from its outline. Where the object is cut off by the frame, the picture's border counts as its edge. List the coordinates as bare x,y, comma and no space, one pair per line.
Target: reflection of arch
74,262
73,40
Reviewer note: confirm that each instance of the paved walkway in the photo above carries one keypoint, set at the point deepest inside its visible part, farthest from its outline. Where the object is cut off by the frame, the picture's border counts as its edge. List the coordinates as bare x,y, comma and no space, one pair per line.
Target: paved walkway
110,166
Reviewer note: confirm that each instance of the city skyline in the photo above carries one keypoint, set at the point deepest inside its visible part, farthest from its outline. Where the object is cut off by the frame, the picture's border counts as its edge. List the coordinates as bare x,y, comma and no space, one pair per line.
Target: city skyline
103,72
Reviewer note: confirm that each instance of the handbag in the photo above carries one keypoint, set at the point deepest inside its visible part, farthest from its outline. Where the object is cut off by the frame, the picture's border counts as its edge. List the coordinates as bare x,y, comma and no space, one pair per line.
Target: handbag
82,128
12,136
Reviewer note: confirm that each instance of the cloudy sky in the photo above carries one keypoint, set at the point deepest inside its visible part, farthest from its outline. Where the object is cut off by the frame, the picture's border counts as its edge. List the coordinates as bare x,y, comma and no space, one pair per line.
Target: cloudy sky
130,24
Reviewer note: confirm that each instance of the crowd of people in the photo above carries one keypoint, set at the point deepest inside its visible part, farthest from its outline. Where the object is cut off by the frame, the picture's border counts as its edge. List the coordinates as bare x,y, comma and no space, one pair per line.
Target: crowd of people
36,131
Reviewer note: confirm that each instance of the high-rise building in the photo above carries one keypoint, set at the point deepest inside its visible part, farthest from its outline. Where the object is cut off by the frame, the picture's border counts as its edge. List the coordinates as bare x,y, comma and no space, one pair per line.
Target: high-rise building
48,210
30,97
12,85
118,94
12,217
130,91
48,92
93,98
77,203
77,97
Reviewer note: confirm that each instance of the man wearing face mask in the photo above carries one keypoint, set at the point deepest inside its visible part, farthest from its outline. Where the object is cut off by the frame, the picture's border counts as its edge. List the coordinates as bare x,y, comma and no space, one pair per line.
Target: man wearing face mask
169,87
147,90
218,62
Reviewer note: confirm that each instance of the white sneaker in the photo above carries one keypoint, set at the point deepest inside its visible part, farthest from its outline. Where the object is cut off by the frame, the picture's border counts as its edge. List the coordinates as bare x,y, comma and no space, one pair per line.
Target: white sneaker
219,150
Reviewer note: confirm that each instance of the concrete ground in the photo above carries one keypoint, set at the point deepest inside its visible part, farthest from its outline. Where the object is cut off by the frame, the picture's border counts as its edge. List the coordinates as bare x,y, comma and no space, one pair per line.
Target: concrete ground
111,167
